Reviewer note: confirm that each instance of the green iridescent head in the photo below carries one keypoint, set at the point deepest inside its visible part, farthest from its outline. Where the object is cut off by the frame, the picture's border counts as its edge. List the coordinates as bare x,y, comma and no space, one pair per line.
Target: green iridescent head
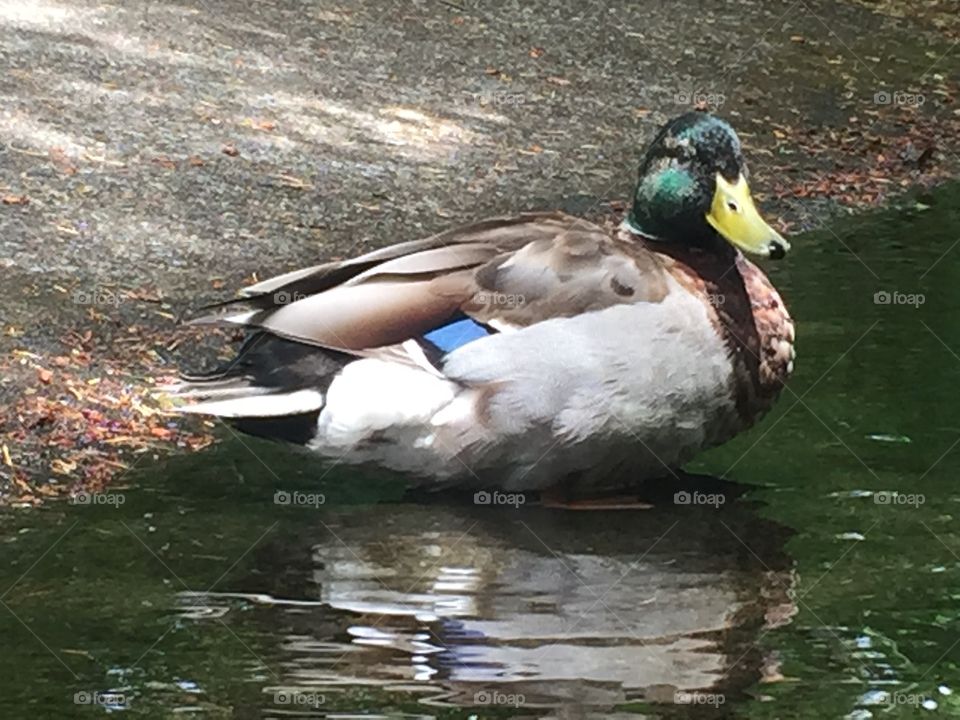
693,189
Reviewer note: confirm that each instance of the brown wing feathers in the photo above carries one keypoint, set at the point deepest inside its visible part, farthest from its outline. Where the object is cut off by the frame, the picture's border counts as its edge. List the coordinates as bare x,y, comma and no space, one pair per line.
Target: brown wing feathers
511,271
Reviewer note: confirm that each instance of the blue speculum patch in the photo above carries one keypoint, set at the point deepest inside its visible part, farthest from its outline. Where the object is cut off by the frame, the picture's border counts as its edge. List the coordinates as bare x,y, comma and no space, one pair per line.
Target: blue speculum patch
456,333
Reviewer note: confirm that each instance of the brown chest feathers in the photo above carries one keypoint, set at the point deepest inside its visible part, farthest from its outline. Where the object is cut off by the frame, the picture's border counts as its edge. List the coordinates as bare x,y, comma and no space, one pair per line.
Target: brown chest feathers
751,317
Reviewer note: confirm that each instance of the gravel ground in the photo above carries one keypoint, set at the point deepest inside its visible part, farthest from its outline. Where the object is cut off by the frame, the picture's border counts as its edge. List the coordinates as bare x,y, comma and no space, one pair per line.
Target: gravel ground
155,155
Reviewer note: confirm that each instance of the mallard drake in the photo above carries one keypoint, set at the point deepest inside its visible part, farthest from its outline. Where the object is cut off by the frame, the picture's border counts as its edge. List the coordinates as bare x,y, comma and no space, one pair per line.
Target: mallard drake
522,352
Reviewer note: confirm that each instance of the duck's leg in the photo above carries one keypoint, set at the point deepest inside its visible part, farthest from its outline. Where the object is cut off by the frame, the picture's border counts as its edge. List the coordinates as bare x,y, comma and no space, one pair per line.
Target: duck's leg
624,502
558,497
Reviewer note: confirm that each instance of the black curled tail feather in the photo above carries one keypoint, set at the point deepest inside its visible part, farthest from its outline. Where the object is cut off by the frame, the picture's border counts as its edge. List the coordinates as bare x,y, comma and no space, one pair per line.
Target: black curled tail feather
272,388
276,363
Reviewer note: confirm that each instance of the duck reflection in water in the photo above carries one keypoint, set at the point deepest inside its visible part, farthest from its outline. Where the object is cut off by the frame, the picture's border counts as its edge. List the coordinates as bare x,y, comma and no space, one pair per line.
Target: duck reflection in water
536,607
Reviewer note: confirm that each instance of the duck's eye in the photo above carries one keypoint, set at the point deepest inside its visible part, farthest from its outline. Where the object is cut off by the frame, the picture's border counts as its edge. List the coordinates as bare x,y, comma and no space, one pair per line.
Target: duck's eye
732,206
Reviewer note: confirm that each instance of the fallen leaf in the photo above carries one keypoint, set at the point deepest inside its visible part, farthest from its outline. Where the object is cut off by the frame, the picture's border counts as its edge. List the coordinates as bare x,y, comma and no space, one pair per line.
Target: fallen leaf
230,149
62,467
293,182
45,376
15,200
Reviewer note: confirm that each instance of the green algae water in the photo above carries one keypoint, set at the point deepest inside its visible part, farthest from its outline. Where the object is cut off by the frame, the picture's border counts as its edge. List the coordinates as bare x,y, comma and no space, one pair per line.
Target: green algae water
823,580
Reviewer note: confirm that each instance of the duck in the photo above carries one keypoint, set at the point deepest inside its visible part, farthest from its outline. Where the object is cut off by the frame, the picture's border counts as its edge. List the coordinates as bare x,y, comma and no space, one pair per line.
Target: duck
529,352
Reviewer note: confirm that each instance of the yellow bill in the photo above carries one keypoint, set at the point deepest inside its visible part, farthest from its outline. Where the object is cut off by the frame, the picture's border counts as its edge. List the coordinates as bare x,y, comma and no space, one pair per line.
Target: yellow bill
733,215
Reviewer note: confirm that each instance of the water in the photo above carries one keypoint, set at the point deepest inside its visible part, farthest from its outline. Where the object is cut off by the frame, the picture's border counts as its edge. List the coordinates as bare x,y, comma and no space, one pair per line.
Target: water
806,593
